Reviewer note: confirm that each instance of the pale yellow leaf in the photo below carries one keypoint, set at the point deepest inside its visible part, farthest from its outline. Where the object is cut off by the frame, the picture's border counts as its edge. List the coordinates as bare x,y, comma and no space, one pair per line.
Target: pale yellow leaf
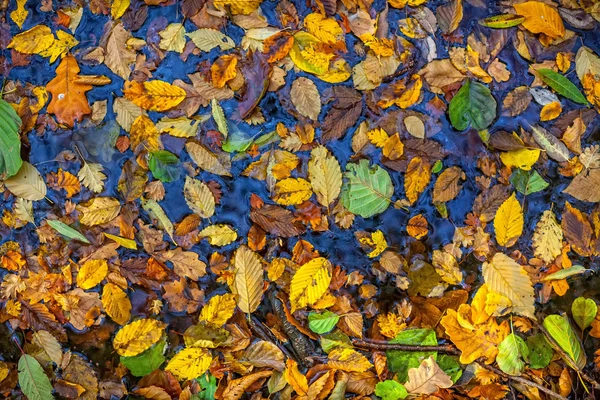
218,235
310,282
325,175
172,38
198,197
99,210
547,238
427,379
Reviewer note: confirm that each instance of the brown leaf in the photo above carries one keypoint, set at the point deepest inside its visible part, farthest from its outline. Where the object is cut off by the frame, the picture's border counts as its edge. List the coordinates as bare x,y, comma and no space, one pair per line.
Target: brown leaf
447,186
577,230
236,388
257,72
276,220
346,110
417,226
516,101
487,203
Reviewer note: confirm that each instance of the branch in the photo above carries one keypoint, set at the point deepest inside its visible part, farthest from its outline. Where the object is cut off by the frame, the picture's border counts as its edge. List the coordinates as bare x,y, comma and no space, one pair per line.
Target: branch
448,349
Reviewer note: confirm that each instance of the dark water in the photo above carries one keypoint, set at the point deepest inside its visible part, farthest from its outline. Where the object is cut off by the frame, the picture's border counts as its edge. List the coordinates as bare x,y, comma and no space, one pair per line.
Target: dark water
338,245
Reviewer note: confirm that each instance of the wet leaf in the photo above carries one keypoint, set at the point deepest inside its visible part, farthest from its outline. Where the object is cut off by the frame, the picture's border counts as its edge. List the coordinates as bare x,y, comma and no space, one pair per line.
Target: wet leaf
138,336
310,282
508,222
32,379
248,281
473,105
27,183
562,85
10,153
584,311
67,231
189,363
367,190
512,354
560,330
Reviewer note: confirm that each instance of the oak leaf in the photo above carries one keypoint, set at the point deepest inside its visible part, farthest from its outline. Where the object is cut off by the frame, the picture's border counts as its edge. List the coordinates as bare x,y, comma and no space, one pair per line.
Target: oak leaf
69,102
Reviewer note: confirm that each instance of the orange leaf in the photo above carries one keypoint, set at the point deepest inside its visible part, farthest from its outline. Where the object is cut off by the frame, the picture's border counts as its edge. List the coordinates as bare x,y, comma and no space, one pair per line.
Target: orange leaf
541,18
68,103
417,226
223,70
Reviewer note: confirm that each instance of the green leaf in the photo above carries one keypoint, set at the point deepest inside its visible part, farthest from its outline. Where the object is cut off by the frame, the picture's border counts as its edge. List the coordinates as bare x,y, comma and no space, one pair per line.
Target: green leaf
401,361
540,352
219,116
564,273
164,166
67,231
10,141
366,191
323,322
472,105
562,85
32,379
527,182
208,383
437,167
450,366
584,311
147,361
391,390
502,21
512,354
335,339
237,140
563,334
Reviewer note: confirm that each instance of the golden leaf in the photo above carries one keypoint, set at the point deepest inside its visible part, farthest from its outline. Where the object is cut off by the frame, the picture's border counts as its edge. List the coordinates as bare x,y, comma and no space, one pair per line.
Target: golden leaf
91,273
218,235
143,131
138,336
503,275
474,341
223,70
325,175
295,378
550,111
116,303
292,191
447,267
508,222
418,174
393,147
310,282
154,95
417,226
547,238
118,8
61,46
64,180
198,197
378,137
377,240
127,243
32,41
19,15
248,281
348,360
189,363
172,38
327,30
237,7
99,210
541,18
218,310
522,158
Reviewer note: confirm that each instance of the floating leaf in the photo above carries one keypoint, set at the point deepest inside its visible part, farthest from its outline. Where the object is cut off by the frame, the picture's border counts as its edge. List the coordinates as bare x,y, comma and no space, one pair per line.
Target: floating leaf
67,231
27,183
310,282
164,166
33,381
502,21
540,18
584,311
508,223
189,363
560,330
528,182
10,148
198,197
473,105
248,281
323,322
116,303
366,191
218,235
562,85
547,238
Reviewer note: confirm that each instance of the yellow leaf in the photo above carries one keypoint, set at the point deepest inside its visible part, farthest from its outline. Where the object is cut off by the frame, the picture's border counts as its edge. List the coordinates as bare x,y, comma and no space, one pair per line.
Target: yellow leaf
522,158
376,240
138,336
248,281
547,238
32,41
118,8
310,282
378,137
218,310
418,174
223,70
172,38
91,273
116,303
541,18
143,131
497,304
60,46
338,72
348,360
474,67
127,243
218,235
508,222
295,378
393,147
505,276
476,341
198,197
550,111
238,6
292,191
446,266
328,30
390,324
99,210
19,15
154,95
189,363
325,175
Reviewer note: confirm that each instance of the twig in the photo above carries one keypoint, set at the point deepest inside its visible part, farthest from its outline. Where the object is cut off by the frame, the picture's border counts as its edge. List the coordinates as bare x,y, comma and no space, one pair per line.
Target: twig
448,349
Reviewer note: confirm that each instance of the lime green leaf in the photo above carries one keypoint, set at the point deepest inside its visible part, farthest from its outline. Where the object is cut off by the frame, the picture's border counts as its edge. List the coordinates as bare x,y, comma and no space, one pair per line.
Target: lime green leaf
450,365
208,383
32,379
323,322
584,311
10,141
527,182
391,390
367,191
147,361
67,231
401,361
512,354
472,105
164,166
561,331
564,273
562,85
